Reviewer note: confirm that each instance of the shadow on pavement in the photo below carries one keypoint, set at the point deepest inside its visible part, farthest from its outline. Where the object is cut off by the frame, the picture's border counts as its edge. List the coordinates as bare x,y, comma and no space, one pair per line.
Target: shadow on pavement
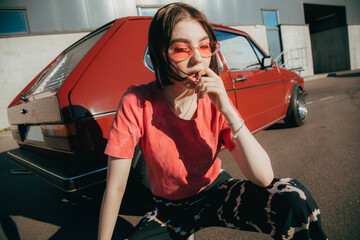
34,209
31,208
339,75
278,126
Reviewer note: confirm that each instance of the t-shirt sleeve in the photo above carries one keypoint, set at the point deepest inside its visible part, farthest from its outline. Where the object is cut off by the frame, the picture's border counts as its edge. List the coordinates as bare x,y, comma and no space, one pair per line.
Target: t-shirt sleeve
226,132
126,129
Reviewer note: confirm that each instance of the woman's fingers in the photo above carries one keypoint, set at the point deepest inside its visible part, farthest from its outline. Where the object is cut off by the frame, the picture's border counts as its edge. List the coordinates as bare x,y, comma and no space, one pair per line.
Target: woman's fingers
213,86
205,87
211,73
211,83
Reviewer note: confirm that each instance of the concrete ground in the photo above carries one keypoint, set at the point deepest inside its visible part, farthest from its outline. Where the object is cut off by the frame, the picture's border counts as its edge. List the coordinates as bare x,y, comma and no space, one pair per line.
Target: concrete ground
323,154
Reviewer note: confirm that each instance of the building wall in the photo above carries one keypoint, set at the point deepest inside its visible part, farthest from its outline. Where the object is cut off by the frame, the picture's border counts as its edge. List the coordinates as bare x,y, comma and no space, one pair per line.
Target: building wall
352,8
354,45
331,50
49,16
297,44
54,16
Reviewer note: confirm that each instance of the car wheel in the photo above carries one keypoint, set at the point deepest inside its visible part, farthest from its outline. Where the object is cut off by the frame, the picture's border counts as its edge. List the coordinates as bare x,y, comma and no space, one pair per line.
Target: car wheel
297,111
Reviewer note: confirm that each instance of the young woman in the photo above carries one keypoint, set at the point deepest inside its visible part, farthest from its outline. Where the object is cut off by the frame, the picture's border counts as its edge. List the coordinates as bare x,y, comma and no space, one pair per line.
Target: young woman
180,122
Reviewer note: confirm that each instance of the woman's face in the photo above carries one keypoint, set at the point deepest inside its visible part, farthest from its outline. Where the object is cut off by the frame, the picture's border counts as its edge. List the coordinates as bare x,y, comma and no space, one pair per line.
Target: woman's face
189,33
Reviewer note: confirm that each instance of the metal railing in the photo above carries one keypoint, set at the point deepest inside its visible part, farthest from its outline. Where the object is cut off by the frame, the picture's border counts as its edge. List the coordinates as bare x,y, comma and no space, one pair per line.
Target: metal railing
294,59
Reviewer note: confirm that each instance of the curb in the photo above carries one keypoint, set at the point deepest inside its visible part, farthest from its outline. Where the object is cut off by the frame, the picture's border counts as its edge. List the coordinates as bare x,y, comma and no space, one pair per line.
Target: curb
315,77
331,74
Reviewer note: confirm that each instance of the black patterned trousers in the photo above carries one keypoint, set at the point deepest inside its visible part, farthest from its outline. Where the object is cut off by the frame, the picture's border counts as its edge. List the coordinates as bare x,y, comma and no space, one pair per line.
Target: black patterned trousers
284,210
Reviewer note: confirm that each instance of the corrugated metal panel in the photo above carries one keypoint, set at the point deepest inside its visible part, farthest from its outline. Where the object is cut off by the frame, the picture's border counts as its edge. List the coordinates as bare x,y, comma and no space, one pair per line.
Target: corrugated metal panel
99,12
125,8
48,16
57,16
212,9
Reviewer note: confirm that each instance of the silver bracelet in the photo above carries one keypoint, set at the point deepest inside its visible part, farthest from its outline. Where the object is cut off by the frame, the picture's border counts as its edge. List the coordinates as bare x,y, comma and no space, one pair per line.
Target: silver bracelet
238,131
241,121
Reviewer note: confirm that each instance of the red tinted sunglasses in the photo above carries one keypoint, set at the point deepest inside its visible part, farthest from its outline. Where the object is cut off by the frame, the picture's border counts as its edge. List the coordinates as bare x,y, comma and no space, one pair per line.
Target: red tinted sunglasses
182,51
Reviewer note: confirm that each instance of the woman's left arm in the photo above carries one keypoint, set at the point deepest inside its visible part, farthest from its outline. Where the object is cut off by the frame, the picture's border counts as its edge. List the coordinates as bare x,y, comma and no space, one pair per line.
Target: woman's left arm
251,158
249,155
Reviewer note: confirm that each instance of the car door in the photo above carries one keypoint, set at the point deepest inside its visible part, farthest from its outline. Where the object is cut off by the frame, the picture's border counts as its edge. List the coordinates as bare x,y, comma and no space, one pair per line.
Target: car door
259,92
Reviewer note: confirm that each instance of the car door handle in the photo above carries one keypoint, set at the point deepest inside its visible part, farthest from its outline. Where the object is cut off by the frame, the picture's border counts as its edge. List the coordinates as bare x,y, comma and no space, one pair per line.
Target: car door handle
240,79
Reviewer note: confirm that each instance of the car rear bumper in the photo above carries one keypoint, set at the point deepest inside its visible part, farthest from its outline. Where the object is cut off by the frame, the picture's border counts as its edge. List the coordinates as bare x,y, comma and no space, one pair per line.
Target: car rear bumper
62,173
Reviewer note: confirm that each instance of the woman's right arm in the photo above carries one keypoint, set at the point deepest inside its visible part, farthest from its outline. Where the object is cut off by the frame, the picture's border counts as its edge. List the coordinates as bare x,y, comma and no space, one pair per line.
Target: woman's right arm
117,175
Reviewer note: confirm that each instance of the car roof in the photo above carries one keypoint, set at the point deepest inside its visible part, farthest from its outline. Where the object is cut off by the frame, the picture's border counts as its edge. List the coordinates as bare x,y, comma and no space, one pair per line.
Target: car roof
215,26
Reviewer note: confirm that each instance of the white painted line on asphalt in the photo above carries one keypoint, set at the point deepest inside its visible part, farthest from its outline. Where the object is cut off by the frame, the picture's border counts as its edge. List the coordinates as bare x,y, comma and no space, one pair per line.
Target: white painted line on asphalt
321,99
326,98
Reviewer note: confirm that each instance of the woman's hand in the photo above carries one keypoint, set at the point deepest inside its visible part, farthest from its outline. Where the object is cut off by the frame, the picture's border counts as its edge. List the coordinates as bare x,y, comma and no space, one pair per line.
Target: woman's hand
213,86
251,158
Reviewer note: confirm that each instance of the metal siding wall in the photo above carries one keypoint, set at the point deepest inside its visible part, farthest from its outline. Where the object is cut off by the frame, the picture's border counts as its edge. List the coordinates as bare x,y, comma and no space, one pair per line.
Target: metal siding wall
48,16
248,12
212,9
125,8
99,12
71,14
57,16
41,17
352,8
229,12
232,12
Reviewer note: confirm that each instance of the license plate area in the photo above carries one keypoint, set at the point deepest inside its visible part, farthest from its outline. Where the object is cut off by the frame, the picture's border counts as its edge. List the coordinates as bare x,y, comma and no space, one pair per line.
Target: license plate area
33,134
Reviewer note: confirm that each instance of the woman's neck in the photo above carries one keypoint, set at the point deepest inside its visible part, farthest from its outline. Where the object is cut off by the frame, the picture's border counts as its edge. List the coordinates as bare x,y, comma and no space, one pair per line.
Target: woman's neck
182,101
178,94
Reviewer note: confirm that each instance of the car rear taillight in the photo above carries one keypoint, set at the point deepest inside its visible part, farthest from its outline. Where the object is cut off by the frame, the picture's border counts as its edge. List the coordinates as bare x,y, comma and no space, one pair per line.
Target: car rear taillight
59,130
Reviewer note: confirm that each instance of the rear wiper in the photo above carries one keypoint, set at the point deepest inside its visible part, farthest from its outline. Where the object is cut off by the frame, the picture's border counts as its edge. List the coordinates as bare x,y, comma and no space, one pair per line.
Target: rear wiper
22,97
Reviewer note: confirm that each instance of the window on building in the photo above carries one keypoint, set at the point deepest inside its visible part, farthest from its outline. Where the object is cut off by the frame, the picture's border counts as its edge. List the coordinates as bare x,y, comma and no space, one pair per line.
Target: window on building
147,11
13,22
270,18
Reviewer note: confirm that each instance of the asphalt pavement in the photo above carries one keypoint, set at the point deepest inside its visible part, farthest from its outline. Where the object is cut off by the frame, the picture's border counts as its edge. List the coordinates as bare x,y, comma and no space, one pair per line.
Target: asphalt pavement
323,154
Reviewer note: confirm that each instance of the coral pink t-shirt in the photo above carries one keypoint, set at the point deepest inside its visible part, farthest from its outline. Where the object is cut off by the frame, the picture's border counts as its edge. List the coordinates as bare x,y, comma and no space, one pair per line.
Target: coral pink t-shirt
181,155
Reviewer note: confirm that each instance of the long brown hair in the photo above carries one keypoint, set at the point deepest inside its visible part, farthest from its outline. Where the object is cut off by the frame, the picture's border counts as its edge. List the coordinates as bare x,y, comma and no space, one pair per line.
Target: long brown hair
160,32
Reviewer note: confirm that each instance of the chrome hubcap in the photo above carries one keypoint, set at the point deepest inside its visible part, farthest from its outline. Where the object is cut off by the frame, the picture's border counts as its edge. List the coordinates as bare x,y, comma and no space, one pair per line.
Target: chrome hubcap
301,106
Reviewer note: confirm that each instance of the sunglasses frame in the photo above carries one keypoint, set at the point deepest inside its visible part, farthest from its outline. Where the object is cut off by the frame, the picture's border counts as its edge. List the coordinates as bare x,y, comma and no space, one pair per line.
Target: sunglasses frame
192,49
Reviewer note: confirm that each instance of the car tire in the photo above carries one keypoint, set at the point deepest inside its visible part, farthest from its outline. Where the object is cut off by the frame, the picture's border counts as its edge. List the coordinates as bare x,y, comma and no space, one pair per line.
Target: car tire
297,111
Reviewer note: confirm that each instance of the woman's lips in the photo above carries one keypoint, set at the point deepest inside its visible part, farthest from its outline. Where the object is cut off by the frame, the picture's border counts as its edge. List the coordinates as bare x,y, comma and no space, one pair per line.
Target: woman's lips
195,76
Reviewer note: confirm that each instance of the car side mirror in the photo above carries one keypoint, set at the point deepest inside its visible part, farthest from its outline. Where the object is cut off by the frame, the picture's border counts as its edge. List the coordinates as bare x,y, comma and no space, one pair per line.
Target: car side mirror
267,62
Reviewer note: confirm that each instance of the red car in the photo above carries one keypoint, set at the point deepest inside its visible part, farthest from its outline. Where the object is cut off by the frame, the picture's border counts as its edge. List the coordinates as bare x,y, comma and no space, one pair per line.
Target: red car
62,118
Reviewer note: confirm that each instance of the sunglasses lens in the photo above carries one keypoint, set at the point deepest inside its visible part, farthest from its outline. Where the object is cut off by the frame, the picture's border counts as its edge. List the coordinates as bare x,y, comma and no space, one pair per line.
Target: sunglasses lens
205,50
208,49
180,52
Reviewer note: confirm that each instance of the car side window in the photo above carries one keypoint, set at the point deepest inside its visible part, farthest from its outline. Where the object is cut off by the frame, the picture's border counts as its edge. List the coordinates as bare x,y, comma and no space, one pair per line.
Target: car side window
257,51
239,53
